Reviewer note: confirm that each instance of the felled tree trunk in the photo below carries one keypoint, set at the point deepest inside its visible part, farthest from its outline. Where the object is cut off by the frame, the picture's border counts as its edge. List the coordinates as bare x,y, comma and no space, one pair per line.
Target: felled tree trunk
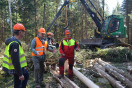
59,86
112,81
128,76
64,82
84,79
117,75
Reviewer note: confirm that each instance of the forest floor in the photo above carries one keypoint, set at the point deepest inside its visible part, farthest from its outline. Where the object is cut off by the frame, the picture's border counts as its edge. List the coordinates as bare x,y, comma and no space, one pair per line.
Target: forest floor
82,59
6,81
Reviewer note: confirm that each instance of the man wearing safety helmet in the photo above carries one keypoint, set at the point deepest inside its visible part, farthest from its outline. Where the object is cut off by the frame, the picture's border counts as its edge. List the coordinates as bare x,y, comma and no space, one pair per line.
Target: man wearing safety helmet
67,47
39,47
50,39
14,59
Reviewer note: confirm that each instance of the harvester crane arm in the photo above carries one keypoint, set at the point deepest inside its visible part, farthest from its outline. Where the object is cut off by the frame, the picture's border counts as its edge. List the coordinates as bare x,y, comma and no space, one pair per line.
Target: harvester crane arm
57,15
92,14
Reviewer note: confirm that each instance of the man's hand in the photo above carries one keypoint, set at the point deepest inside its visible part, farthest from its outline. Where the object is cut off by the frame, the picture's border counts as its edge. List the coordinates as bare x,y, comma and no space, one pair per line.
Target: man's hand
38,55
77,50
54,51
21,77
63,54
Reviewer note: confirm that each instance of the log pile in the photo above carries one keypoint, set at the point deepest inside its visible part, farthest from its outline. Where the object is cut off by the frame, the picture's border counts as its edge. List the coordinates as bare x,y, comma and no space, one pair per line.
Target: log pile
129,69
63,82
67,83
117,78
84,79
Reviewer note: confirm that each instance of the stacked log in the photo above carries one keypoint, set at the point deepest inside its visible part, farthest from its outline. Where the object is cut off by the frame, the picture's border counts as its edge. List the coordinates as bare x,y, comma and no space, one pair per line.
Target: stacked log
128,76
129,69
64,82
84,79
113,82
67,83
112,74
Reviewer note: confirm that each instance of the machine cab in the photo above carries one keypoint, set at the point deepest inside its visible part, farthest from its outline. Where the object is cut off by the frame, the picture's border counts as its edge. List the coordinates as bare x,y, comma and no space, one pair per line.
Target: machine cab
113,26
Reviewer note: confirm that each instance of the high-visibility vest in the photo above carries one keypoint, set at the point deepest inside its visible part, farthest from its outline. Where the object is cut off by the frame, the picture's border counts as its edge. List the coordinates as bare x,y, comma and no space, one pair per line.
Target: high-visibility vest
7,61
40,48
70,42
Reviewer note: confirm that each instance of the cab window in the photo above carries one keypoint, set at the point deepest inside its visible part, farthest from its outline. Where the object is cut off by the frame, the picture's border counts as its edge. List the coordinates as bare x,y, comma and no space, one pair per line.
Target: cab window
114,25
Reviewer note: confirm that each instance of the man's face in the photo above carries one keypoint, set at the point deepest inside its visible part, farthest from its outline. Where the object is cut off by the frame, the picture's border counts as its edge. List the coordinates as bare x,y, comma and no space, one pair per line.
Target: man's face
22,33
42,35
49,36
67,36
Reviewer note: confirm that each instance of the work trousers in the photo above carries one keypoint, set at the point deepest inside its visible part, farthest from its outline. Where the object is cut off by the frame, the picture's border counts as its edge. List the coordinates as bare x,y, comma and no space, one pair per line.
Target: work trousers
38,71
70,62
21,84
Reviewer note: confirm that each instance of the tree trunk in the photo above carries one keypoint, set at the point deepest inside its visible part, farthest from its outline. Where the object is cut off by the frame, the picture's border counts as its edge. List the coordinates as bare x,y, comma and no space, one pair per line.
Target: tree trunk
66,15
82,24
35,18
4,18
128,76
64,82
24,21
84,79
2,23
86,25
10,17
119,77
16,13
44,16
103,7
127,21
112,81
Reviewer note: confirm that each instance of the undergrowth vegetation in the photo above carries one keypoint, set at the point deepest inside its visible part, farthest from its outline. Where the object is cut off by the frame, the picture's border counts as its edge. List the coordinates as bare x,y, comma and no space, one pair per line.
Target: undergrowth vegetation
118,54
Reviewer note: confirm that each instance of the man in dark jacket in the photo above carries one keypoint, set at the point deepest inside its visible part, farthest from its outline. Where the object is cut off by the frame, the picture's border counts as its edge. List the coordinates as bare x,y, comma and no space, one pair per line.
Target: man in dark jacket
14,60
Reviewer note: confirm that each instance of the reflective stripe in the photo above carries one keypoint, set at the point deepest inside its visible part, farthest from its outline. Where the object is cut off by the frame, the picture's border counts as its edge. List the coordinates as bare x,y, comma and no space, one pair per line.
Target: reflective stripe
7,63
38,47
10,58
10,64
41,51
6,56
21,56
23,62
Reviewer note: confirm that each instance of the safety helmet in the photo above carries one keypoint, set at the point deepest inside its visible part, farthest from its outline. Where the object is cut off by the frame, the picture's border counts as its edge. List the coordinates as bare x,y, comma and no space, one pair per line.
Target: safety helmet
19,26
67,31
50,34
42,30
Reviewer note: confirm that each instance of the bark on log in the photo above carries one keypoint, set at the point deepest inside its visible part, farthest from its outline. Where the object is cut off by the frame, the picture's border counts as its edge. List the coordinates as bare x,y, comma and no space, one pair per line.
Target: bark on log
64,82
117,75
84,79
73,84
112,81
51,71
59,86
47,85
129,69
128,76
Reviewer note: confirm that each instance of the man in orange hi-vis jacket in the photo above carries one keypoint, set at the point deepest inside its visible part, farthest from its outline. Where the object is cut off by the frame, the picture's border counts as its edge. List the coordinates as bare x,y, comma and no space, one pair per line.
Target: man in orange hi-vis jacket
39,47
